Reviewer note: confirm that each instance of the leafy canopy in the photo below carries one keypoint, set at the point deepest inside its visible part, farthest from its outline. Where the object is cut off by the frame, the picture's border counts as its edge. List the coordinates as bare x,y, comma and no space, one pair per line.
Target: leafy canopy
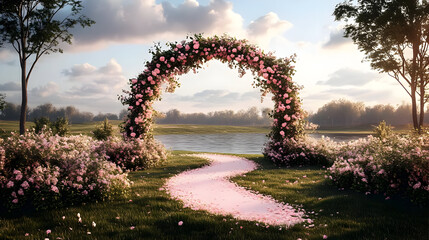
387,31
38,26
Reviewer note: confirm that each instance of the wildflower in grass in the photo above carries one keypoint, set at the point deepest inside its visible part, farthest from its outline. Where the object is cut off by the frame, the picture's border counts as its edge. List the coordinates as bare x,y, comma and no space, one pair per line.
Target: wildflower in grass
180,223
132,227
93,224
325,237
48,231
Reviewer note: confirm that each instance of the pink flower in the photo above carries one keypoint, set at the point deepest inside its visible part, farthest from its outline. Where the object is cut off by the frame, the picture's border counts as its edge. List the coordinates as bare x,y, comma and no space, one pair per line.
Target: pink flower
180,223
187,47
134,81
196,45
282,133
9,184
15,200
417,185
172,59
132,227
48,231
162,59
265,75
54,189
325,237
133,134
256,59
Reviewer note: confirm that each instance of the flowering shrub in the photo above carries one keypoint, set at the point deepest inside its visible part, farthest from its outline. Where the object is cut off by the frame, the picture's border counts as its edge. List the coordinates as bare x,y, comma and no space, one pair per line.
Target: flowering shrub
42,170
393,165
302,151
133,154
270,75
103,131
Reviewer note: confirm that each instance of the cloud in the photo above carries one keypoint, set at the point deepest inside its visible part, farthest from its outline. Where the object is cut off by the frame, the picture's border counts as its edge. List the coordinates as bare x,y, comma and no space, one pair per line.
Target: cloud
337,39
347,76
145,21
266,27
10,86
7,56
105,80
51,88
80,70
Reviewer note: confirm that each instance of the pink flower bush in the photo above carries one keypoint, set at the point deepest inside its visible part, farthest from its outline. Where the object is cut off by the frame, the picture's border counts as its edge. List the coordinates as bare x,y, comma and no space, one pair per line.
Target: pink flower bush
41,171
133,154
396,165
271,75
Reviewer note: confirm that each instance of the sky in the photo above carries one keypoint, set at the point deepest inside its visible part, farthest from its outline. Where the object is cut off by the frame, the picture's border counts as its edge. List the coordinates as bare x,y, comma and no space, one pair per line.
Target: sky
94,70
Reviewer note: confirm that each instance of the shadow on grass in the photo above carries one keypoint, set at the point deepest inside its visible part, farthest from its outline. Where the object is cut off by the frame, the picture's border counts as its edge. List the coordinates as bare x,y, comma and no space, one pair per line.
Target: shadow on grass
339,214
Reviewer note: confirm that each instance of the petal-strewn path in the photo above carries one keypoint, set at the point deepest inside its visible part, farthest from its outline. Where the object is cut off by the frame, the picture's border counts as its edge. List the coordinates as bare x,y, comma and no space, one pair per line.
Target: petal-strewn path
209,189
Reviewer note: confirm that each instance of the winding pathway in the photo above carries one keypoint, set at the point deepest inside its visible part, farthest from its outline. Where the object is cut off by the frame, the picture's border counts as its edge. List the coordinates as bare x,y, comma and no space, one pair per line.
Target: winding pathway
209,189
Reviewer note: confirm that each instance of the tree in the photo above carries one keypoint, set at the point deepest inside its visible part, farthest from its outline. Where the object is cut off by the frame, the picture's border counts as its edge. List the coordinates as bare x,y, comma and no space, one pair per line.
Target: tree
394,35
35,28
2,101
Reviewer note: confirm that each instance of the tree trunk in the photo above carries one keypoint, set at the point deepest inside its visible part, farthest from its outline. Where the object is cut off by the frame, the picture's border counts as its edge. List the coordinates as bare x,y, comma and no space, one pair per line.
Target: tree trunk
23,116
422,104
414,108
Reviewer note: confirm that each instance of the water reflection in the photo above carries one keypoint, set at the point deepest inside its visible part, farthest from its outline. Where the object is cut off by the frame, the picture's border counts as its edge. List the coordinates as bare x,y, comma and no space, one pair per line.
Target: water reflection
249,143
245,143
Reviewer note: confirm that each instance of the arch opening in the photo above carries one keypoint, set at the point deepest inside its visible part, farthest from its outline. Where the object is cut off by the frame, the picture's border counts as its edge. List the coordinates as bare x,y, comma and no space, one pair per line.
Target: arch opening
270,74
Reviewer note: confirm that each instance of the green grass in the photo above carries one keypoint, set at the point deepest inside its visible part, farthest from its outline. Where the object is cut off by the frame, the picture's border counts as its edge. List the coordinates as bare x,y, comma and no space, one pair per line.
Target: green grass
159,129
347,214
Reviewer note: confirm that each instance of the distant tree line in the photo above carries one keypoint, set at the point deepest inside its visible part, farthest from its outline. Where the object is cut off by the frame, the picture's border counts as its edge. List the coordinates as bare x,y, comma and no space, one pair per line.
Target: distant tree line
344,113
252,116
12,112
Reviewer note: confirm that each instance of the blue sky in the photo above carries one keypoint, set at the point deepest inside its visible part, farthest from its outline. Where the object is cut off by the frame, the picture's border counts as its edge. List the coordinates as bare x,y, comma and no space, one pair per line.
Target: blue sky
94,70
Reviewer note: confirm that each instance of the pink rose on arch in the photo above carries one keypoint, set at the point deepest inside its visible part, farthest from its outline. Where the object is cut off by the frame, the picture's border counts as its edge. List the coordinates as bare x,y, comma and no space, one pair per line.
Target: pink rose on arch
196,45
162,59
187,47
133,134
134,81
172,59
265,75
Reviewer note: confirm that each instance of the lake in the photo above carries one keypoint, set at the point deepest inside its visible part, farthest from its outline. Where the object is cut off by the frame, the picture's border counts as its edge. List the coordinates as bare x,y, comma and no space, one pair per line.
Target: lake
240,143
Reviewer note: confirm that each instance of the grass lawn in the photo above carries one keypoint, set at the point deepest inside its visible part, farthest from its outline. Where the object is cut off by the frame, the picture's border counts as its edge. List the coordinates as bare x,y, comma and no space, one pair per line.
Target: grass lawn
159,129
152,215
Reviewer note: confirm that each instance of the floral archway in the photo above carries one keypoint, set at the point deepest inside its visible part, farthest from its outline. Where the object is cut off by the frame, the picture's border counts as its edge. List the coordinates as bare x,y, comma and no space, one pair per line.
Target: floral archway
271,74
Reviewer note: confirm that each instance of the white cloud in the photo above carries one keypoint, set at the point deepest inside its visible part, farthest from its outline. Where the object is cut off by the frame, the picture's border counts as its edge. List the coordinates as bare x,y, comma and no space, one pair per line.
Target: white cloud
7,56
10,86
145,21
337,39
267,27
105,80
80,70
348,76
212,100
51,88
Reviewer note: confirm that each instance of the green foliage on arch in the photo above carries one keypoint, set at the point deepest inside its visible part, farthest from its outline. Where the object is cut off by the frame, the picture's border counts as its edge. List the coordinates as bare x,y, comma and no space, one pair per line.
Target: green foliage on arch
271,74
